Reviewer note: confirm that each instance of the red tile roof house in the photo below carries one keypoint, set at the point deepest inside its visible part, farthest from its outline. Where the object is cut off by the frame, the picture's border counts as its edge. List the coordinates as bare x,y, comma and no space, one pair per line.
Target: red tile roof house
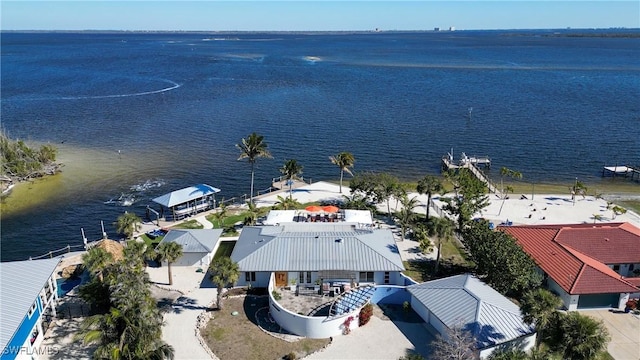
587,265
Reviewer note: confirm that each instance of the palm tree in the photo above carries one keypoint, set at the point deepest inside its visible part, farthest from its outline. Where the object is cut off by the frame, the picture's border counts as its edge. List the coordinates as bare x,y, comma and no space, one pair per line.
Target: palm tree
169,251
429,185
344,161
537,307
286,203
406,213
221,214
251,148
223,271
127,224
97,260
616,210
135,253
291,171
509,173
252,214
583,337
443,231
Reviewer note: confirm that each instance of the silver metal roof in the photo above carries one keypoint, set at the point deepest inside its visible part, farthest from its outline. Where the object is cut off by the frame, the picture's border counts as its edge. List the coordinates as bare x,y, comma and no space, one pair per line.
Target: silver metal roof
187,194
467,302
194,241
20,285
315,247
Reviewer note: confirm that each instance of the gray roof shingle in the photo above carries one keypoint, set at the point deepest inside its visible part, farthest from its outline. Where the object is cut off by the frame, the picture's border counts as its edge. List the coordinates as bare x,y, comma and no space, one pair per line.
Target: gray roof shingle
194,240
20,285
467,302
315,247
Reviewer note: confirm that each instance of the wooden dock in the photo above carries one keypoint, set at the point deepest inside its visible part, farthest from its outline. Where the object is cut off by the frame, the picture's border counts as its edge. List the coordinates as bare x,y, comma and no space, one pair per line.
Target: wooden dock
472,164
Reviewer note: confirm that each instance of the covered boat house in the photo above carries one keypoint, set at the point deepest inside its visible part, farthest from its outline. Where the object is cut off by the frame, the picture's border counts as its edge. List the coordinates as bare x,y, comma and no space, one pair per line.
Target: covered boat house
186,202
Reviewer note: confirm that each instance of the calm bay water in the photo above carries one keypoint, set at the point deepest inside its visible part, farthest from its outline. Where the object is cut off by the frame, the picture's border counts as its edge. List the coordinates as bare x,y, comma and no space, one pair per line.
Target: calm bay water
126,109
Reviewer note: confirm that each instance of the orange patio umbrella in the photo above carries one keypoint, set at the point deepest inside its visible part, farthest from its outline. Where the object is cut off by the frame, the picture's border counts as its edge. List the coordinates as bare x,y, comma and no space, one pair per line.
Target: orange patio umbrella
331,209
313,208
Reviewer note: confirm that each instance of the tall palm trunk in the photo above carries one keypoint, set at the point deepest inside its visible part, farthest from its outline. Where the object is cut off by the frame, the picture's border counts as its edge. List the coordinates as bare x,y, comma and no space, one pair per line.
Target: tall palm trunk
341,176
438,255
428,206
251,194
169,271
219,297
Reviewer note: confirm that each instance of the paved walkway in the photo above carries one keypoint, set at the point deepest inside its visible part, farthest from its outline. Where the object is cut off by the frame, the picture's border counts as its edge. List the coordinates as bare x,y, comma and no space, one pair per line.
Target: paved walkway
624,330
379,339
179,329
206,224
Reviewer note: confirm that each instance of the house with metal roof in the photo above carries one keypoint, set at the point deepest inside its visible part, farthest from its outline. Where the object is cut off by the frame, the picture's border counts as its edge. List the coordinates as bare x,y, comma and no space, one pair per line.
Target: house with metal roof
465,302
198,245
587,265
306,252
28,295
340,262
182,203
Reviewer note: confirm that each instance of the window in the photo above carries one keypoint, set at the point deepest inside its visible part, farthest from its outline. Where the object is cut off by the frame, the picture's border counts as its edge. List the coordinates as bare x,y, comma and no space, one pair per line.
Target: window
33,308
308,277
250,276
366,276
301,277
631,267
616,268
386,277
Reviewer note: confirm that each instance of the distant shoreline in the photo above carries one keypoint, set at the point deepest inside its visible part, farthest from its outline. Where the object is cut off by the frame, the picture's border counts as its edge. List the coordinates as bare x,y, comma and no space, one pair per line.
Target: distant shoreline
567,32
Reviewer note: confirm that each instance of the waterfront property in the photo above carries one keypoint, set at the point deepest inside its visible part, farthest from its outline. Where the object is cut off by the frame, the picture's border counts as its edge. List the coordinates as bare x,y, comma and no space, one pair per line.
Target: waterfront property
465,302
361,217
198,246
335,264
186,202
28,296
587,265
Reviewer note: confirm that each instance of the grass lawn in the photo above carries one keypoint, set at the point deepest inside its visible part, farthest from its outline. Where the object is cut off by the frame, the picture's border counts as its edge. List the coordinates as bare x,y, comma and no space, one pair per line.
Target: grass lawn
238,337
452,262
189,224
224,249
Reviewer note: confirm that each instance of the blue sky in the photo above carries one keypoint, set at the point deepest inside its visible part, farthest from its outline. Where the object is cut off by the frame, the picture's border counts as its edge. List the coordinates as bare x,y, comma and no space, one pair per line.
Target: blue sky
319,15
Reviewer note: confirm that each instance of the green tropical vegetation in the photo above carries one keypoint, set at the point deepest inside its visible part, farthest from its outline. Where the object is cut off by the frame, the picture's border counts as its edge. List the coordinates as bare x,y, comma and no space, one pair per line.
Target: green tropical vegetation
19,162
538,306
127,323
429,185
224,272
286,203
127,224
499,260
345,161
169,252
470,196
291,170
252,148
377,188
406,215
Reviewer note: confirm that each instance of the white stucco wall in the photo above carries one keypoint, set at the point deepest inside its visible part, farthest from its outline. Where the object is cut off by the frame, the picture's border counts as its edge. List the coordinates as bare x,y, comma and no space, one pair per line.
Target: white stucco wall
309,326
570,302
192,259
420,309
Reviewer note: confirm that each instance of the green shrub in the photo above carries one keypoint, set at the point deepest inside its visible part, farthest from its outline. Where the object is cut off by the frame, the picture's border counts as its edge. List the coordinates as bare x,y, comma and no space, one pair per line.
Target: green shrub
276,295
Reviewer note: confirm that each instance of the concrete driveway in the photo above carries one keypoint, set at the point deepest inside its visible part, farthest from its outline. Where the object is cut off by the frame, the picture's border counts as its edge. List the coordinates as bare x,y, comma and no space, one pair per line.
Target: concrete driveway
624,330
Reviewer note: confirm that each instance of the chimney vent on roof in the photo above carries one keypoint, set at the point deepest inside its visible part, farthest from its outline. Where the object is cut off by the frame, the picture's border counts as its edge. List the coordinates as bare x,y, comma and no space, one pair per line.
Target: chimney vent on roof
339,241
606,239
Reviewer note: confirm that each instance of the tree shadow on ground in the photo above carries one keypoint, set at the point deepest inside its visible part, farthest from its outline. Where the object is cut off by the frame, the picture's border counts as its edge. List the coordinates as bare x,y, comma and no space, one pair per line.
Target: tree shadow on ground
447,268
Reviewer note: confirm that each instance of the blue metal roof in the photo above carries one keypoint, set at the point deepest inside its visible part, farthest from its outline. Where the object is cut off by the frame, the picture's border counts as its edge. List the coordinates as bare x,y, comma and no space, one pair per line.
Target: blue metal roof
20,286
465,301
184,195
